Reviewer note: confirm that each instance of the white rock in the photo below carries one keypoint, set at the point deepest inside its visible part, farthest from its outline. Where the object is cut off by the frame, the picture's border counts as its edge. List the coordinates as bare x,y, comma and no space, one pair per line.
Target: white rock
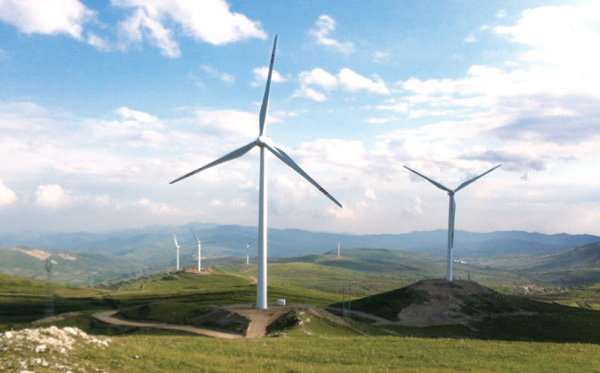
41,348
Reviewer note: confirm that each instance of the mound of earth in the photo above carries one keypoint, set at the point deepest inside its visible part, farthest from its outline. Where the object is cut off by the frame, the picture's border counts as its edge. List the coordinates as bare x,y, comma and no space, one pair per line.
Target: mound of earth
276,318
235,321
440,302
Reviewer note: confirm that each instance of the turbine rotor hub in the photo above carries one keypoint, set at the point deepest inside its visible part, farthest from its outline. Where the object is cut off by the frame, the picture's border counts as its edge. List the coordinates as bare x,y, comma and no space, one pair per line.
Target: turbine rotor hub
264,140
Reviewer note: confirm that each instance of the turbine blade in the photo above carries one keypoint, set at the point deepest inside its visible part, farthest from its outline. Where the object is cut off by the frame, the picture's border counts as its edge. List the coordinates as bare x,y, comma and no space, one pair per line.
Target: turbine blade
287,160
196,237
233,155
431,181
265,103
175,239
475,178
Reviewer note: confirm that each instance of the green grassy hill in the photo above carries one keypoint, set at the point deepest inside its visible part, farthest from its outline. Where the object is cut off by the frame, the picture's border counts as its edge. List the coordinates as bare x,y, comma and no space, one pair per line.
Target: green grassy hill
313,345
462,309
578,266
69,267
371,271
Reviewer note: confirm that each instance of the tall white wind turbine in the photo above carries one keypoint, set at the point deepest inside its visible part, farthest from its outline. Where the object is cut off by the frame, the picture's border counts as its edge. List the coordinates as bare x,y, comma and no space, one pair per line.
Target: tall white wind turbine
177,248
199,249
452,212
263,143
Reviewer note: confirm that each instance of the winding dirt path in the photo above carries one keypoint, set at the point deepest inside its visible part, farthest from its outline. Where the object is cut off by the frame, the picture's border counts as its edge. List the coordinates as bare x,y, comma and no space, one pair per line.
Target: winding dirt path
109,318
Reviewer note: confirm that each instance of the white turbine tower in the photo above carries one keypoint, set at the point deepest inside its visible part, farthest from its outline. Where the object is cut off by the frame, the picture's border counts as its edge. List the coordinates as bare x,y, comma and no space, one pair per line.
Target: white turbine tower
177,248
199,249
248,252
263,143
452,212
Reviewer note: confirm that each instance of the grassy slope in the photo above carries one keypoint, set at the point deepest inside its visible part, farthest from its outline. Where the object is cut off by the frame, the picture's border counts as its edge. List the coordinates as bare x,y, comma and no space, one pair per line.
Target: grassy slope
153,353
97,266
371,271
304,353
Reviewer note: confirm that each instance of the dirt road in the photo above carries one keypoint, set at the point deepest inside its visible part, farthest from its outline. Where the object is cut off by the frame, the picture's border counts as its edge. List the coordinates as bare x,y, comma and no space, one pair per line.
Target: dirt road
109,318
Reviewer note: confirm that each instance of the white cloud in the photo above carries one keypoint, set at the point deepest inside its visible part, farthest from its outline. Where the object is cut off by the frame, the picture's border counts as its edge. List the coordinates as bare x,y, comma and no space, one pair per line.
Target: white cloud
210,21
7,196
563,36
156,208
378,120
354,82
138,116
214,73
48,17
346,79
52,196
318,77
380,56
225,123
261,74
325,25
98,42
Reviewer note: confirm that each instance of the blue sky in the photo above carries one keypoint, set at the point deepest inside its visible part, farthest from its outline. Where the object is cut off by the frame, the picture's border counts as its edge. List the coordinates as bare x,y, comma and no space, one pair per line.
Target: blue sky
102,103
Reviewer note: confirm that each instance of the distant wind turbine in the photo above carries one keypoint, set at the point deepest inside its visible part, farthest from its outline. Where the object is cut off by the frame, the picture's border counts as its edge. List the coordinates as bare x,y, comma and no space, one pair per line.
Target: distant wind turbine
248,252
199,249
452,212
338,249
263,143
177,248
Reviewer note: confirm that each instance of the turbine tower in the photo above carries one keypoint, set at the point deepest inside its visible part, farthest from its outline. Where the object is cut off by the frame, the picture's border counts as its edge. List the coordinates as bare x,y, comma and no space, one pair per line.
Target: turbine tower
177,247
199,250
263,143
452,212
248,252
338,249
49,307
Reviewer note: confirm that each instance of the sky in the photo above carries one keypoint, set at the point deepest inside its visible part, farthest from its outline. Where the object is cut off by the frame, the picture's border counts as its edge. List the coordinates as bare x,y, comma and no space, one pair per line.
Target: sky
103,103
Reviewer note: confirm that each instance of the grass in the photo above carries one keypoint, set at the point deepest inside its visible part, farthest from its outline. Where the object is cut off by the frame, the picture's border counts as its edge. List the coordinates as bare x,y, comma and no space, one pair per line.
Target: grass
492,344
152,353
165,311
388,304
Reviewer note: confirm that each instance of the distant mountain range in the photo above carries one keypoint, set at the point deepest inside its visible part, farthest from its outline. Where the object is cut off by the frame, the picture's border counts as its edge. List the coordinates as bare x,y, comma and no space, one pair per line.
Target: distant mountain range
232,240
129,252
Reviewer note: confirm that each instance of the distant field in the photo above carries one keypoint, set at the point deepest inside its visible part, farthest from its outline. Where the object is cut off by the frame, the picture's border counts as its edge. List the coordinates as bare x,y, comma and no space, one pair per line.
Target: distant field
370,271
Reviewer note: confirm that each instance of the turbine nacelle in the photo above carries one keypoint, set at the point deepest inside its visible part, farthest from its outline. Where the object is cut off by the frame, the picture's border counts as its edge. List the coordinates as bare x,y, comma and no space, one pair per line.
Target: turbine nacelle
264,141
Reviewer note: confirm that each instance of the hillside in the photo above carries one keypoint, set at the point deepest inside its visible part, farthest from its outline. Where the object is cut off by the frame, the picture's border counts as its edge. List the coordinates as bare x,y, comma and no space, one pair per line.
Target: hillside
440,302
76,267
587,256
577,266
464,309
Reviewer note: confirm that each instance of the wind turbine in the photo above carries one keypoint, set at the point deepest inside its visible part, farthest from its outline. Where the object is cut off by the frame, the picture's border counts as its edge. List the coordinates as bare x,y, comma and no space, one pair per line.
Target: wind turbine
338,249
263,143
199,249
177,247
248,252
452,212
